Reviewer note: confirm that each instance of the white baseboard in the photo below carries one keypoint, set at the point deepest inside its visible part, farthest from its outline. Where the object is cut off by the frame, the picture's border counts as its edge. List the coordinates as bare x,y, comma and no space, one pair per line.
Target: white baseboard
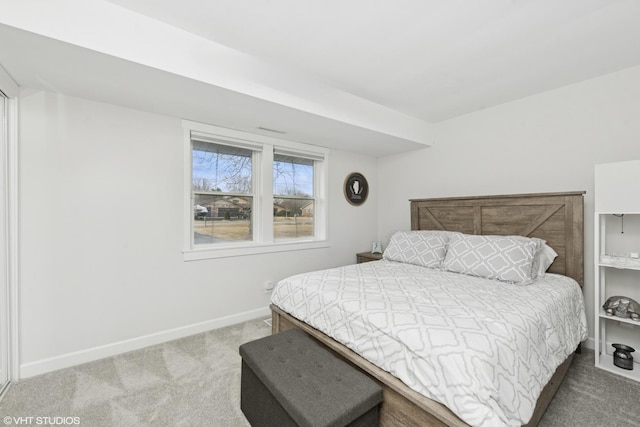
88,355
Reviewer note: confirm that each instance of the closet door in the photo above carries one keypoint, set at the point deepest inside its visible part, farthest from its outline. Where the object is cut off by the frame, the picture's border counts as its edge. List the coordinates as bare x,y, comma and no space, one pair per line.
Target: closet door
4,250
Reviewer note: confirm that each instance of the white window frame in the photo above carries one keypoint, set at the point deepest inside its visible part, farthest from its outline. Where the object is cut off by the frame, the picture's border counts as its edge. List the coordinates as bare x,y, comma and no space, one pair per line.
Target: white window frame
263,238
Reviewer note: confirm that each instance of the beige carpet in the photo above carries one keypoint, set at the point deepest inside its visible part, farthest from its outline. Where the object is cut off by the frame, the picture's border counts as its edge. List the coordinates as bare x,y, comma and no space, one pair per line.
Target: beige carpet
592,397
195,381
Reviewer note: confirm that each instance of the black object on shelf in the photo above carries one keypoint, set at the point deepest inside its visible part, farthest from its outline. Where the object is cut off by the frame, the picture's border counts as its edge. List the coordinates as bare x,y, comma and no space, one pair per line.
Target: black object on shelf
622,357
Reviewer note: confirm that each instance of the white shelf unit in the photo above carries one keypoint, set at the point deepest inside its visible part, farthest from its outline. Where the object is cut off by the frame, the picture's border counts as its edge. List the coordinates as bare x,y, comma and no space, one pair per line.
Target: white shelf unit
621,278
617,273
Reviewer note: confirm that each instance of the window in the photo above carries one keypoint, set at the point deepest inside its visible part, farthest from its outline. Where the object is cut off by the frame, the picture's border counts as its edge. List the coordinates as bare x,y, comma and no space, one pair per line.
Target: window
293,201
250,193
222,186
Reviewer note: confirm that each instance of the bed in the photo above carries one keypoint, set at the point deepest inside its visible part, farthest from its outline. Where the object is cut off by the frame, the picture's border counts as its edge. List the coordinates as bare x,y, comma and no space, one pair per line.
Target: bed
406,375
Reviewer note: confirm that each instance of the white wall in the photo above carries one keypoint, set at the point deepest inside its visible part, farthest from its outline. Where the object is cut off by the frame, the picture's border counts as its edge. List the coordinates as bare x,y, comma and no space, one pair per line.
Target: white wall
101,267
544,143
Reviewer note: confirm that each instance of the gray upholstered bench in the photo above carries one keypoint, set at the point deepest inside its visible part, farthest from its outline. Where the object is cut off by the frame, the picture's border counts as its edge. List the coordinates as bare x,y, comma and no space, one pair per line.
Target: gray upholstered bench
290,380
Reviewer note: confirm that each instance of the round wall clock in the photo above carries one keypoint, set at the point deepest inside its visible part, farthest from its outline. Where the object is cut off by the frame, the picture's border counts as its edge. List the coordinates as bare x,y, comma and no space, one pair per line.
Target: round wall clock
356,189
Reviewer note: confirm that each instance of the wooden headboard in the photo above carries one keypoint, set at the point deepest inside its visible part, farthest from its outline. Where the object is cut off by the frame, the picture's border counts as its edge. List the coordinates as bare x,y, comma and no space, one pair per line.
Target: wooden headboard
555,217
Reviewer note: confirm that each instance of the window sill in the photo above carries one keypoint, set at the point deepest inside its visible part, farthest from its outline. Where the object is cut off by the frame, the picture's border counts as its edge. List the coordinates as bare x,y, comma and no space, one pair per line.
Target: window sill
212,253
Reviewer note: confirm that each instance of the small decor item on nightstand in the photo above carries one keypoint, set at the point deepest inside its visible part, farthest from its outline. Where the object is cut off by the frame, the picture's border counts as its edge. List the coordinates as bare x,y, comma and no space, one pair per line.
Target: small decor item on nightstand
376,248
622,307
622,356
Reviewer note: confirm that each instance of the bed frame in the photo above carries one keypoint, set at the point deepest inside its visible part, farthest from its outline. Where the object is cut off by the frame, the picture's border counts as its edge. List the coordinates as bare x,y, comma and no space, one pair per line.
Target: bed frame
554,217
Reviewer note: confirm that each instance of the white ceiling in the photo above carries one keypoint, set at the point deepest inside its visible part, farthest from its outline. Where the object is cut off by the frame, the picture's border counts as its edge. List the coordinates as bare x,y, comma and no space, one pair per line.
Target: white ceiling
362,75
432,59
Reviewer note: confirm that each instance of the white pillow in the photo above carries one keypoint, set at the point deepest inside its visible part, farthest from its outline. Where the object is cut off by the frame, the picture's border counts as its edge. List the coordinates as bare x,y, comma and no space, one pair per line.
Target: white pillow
543,258
426,248
505,258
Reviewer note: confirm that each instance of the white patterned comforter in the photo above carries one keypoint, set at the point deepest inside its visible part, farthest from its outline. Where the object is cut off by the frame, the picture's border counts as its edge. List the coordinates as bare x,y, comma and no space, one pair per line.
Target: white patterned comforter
482,347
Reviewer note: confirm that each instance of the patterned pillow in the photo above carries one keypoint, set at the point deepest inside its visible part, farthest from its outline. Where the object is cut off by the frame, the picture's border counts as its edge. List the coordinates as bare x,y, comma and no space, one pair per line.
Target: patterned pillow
424,247
505,258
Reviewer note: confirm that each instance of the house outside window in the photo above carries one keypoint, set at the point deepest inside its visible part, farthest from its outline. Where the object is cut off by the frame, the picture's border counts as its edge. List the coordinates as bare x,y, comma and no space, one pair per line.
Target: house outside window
250,193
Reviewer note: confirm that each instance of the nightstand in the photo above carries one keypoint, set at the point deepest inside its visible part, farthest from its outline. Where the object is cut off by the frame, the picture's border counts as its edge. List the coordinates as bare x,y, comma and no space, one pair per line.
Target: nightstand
367,256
